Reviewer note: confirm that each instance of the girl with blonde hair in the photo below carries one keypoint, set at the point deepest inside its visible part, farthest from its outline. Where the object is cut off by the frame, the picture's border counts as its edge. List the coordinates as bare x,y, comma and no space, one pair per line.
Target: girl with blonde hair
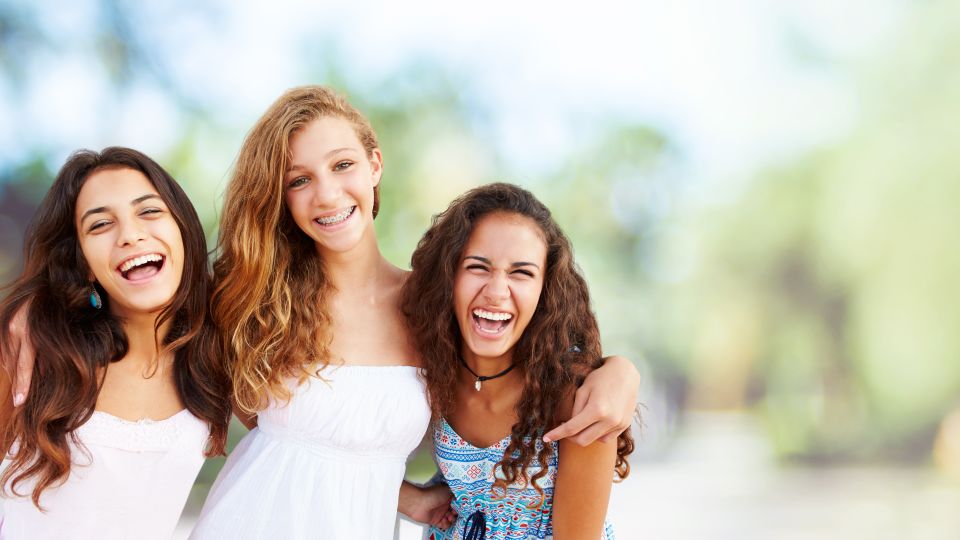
320,358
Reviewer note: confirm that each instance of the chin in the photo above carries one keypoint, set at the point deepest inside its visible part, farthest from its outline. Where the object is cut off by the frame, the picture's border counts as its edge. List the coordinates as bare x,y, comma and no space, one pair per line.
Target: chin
341,244
489,352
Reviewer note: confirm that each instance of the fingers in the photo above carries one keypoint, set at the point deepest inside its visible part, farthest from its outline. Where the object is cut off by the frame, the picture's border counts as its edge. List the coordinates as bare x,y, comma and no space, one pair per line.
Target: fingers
24,371
576,423
591,434
449,518
567,429
446,519
619,426
588,425
10,363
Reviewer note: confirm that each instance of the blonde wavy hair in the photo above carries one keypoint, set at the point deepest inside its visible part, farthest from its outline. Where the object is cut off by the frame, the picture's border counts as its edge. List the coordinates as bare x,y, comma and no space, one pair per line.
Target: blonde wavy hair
270,299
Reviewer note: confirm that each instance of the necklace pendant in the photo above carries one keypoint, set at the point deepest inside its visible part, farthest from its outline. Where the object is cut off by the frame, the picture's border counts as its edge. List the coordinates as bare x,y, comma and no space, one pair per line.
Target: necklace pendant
477,385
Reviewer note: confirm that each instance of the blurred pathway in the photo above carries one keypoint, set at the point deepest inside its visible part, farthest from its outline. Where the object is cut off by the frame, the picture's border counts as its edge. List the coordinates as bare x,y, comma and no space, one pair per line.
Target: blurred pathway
718,481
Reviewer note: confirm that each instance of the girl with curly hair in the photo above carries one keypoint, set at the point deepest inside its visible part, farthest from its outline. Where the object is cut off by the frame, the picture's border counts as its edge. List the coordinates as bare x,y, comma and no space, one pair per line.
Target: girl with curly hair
501,318
126,394
322,361
308,314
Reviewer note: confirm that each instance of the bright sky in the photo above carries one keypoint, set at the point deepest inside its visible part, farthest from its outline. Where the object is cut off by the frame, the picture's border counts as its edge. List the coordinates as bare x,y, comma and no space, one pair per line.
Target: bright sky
736,84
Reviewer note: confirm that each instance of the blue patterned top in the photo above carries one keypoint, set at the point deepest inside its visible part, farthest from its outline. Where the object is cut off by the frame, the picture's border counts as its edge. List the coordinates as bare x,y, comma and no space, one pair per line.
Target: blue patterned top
469,470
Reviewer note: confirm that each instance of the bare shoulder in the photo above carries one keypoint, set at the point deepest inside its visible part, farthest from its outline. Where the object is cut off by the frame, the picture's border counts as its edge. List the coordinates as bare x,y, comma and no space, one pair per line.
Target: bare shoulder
397,277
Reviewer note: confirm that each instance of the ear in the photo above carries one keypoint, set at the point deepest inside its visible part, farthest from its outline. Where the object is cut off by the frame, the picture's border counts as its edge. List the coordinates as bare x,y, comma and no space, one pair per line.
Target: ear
376,166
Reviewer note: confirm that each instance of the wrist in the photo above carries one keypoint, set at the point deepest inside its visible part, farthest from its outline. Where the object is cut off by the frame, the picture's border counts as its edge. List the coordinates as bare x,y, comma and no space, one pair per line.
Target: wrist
409,496
628,371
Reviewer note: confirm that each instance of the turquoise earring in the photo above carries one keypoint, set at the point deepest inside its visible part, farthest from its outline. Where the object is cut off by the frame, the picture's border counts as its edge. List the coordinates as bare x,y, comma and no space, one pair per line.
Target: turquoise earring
95,300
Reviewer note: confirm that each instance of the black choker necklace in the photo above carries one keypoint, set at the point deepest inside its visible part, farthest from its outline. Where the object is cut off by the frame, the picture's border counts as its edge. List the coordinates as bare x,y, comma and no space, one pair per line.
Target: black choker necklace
481,378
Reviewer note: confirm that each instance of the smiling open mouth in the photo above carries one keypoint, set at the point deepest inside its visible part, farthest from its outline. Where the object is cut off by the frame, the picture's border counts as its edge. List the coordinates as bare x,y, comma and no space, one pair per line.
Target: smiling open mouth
337,218
491,322
142,267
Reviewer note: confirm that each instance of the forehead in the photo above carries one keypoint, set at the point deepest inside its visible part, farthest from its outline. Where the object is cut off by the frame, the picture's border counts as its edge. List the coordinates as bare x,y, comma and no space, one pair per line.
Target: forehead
321,136
511,237
111,187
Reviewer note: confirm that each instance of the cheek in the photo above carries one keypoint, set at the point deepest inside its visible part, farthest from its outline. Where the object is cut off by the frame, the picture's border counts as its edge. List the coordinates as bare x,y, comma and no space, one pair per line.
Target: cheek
94,258
459,294
293,204
531,298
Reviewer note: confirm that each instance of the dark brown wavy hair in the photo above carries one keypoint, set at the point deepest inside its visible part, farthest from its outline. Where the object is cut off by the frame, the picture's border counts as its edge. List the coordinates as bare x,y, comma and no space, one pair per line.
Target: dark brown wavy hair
73,341
559,347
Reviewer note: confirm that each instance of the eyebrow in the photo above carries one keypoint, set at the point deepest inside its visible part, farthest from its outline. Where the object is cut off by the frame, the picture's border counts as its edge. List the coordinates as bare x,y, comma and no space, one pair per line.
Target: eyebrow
134,202
295,166
512,265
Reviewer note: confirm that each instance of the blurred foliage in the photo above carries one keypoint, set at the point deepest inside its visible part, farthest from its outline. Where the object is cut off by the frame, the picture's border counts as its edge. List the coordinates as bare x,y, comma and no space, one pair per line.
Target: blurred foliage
823,297
827,293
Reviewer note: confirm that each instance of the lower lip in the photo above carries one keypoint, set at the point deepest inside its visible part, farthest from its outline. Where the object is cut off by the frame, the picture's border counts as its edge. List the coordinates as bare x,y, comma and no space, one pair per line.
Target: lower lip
487,335
336,227
146,279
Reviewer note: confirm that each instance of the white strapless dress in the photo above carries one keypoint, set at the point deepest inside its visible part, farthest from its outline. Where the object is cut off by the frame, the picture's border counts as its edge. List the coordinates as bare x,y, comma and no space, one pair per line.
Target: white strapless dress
328,464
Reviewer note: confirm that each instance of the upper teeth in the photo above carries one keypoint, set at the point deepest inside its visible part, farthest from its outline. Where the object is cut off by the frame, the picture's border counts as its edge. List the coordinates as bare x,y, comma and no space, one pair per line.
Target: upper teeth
336,218
141,260
490,315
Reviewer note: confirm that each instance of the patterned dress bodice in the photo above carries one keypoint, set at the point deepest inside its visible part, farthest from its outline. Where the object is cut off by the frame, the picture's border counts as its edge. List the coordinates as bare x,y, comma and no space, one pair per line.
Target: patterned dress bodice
469,471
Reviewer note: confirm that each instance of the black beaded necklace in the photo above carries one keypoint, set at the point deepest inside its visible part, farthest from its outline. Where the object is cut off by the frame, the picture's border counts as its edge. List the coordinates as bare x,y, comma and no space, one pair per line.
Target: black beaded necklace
481,378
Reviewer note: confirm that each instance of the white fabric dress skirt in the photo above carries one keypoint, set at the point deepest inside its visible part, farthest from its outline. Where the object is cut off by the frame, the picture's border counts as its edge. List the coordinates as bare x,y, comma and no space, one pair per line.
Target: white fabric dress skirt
131,482
328,464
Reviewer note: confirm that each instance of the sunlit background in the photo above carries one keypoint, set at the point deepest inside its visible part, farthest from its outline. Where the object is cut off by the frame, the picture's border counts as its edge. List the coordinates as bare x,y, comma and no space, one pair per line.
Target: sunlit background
764,196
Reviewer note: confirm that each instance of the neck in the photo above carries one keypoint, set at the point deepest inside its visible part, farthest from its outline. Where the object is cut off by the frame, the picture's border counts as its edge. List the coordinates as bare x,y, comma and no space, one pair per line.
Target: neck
359,269
488,367
143,339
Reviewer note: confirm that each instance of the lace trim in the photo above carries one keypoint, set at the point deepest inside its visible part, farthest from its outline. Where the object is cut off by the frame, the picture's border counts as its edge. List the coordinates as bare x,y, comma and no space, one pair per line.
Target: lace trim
104,429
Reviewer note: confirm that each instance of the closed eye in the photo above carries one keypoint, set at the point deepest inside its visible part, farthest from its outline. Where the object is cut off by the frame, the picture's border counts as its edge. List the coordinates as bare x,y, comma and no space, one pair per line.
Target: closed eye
524,272
151,210
479,267
97,225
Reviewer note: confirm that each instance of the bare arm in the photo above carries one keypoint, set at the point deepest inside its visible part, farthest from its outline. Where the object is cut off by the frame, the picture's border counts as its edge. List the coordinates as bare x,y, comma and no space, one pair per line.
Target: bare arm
427,504
18,358
582,489
604,405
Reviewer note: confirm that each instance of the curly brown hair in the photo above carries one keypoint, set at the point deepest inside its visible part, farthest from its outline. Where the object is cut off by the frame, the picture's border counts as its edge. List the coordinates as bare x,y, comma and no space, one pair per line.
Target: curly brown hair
73,341
270,301
559,347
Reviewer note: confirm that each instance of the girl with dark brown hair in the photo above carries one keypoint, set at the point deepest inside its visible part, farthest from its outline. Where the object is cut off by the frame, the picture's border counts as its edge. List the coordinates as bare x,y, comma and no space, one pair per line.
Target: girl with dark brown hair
126,394
308,314
501,319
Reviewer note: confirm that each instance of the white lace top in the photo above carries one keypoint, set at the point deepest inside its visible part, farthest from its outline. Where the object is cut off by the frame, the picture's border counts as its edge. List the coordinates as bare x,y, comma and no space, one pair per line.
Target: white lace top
128,480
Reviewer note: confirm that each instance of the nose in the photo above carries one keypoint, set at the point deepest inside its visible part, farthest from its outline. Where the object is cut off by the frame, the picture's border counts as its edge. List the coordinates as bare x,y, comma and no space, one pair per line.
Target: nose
497,289
131,232
326,191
